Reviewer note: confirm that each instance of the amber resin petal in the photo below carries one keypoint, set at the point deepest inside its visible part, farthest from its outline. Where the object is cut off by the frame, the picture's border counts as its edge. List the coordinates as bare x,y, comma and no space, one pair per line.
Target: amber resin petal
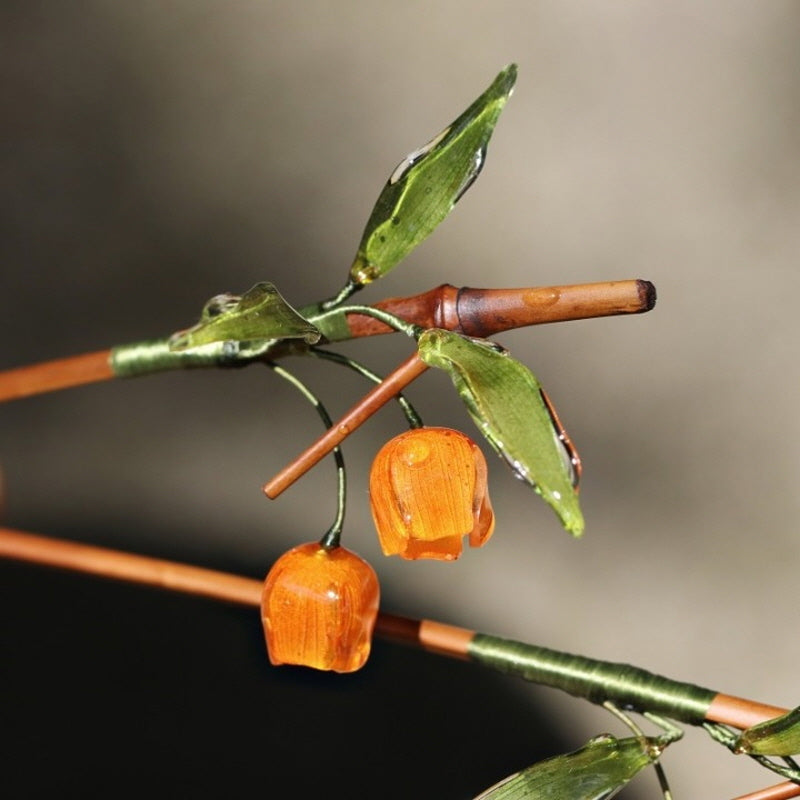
319,607
427,491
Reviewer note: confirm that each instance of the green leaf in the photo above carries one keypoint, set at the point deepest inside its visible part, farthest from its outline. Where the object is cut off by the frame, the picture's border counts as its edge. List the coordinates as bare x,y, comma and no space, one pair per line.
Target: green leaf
773,737
260,314
427,183
506,403
595,772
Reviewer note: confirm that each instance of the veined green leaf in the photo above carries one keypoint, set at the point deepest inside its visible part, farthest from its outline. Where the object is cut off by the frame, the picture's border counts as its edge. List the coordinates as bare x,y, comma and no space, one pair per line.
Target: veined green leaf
427,183
773,737
506,403
259,314
595,772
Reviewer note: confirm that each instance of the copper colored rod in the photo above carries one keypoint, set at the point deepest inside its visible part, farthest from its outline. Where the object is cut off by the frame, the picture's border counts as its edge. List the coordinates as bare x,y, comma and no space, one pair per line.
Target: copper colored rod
484,312
49,376
393,384
175,576
429,635
437,637
780,791
128,567
740,712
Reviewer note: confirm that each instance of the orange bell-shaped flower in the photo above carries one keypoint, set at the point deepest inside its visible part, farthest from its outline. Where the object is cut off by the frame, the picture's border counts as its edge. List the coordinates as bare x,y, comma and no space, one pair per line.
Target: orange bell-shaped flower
427,490
319,607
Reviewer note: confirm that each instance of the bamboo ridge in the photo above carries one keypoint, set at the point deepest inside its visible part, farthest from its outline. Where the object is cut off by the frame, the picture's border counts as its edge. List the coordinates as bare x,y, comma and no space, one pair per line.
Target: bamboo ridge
475,312
485,312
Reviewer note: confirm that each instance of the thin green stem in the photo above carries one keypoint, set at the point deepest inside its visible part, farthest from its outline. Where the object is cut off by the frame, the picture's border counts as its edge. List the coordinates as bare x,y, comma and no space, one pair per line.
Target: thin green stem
333,534
414,419
348,290
728,738
673,734
408,328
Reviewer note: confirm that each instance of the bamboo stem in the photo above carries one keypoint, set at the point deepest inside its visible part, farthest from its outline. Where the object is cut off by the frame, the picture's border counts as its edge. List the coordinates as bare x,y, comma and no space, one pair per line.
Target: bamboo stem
485,312
475,312
392,385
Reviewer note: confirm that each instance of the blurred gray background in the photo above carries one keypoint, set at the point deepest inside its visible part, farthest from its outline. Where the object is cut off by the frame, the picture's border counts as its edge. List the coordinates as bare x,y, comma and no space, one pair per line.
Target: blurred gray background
155,154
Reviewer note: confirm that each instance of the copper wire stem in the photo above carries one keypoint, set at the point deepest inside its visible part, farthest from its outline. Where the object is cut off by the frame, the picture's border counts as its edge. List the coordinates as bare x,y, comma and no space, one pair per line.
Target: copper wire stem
392,385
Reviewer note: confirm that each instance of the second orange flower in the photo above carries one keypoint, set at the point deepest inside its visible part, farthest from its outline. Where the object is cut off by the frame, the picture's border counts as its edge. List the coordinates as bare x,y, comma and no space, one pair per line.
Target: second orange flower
427,490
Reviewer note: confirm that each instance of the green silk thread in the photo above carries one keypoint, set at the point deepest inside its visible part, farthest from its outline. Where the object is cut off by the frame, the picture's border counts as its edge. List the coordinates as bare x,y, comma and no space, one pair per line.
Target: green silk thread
597,681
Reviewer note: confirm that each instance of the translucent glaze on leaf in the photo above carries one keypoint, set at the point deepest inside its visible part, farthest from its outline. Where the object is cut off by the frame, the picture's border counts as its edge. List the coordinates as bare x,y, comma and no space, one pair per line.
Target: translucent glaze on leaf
261,313
505,401
427,183
595,772
773,737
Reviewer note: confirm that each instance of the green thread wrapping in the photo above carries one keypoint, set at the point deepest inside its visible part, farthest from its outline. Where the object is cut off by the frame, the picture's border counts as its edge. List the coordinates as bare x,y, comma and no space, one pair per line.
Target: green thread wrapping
330,323
142,358
597,681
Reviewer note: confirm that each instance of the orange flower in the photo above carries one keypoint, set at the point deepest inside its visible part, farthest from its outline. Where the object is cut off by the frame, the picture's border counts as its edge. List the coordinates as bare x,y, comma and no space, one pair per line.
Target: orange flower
427,489
319,608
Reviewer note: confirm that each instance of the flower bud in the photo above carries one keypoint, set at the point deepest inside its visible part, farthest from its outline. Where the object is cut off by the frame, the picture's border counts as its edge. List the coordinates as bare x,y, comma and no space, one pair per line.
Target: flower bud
319,607
427,490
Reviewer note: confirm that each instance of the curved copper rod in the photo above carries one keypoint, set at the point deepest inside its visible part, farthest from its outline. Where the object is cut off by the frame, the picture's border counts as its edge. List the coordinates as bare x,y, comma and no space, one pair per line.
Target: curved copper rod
476,312
435,637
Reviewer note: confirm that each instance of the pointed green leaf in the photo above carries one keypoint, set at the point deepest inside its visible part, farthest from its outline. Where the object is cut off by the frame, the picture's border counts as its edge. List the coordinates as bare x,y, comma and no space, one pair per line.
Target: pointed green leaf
595,772
259,314
773,737
426,185
506,402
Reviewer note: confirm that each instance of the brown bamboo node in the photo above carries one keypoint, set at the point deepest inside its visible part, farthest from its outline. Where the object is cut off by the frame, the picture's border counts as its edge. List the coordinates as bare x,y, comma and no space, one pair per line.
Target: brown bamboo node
485,312
474,312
